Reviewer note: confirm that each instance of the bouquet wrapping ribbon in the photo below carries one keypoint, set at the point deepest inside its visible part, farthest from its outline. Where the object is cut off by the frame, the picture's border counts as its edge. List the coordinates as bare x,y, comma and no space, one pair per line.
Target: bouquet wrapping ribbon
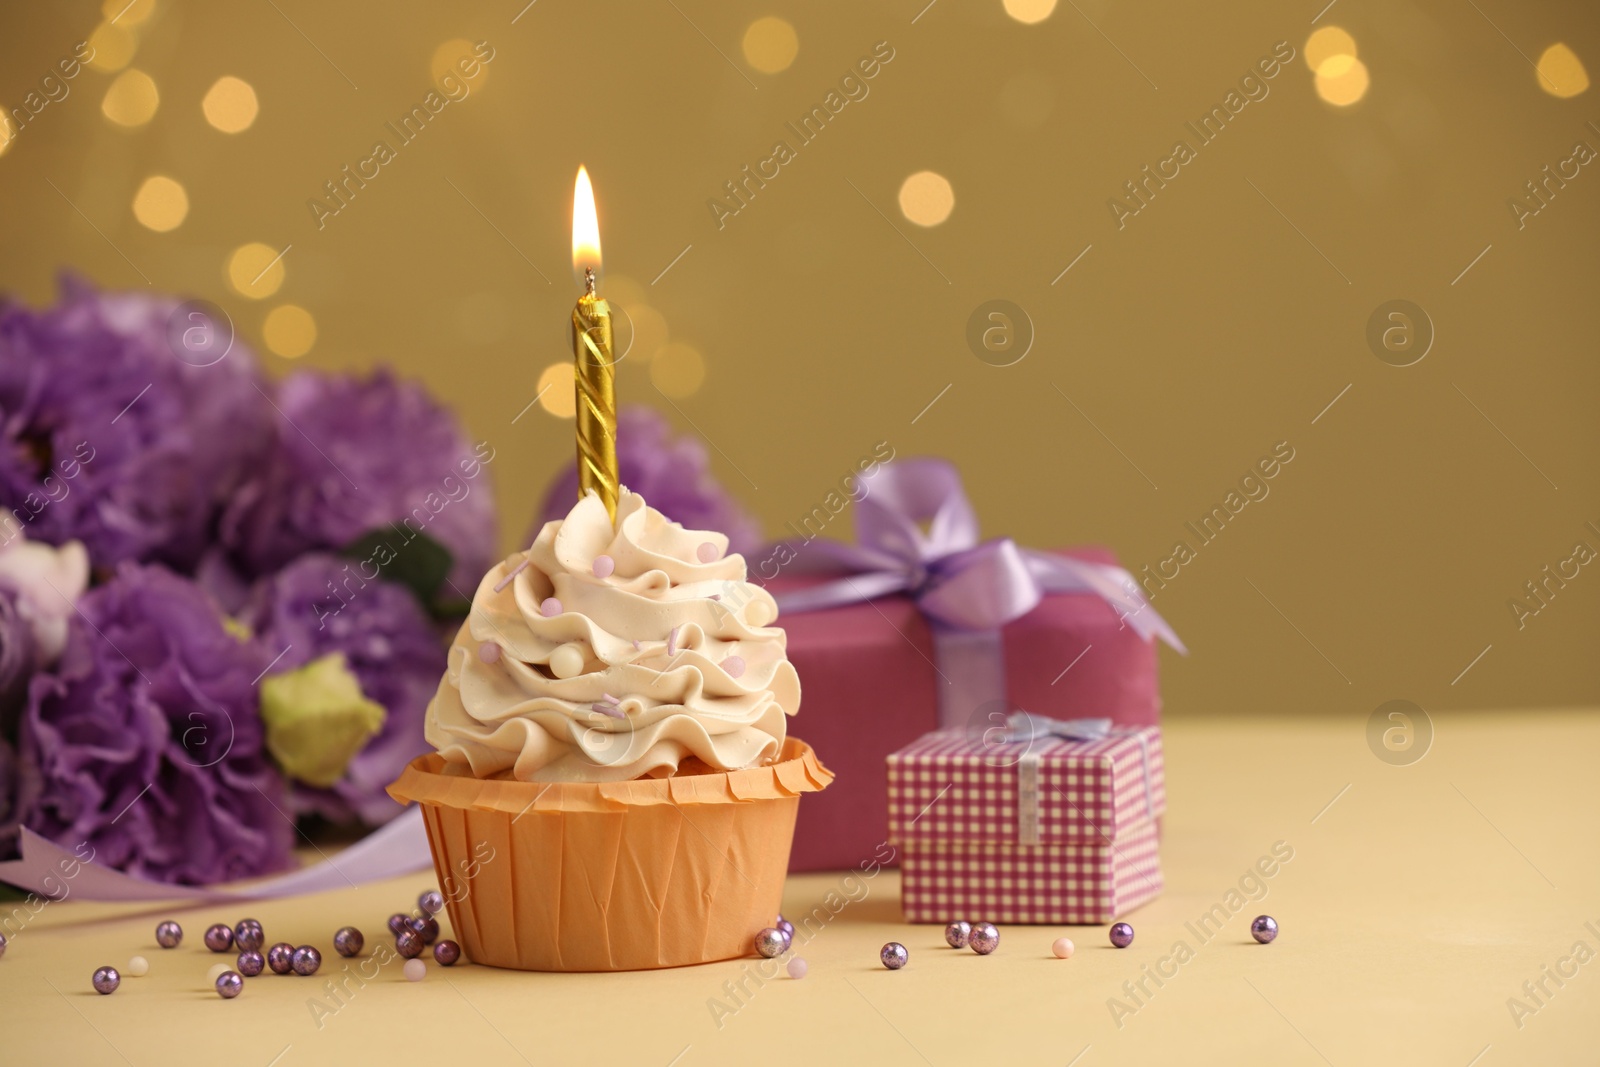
966,588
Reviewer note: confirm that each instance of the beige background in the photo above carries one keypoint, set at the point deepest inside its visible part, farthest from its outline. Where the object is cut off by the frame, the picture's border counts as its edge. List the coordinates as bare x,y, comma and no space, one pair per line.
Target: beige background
1222,320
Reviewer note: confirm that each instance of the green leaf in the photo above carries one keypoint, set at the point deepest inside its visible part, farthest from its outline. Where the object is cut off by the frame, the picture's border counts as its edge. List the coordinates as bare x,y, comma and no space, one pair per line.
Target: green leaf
404,556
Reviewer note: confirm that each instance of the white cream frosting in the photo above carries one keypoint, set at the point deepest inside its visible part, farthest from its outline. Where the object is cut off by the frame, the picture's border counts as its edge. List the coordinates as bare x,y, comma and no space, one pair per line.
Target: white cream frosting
511,716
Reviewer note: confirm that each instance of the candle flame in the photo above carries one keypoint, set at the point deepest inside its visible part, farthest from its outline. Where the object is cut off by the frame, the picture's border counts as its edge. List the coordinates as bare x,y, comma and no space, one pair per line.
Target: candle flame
585,227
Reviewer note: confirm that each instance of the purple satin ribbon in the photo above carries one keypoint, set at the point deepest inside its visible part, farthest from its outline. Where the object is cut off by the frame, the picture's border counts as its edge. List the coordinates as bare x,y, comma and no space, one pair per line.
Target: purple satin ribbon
966,588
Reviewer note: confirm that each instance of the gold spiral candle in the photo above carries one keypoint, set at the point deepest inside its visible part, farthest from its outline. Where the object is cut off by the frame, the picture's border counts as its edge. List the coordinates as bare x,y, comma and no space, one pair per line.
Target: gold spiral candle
596,395
593,367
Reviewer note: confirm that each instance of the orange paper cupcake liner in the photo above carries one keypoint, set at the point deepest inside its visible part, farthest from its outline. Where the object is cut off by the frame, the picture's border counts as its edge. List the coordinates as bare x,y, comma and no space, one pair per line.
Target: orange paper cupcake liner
621,876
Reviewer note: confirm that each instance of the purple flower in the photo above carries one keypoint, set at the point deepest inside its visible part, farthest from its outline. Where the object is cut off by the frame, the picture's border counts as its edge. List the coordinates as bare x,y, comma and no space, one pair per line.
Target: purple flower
146,740
17,658
320,604
356,455
108,437
672,474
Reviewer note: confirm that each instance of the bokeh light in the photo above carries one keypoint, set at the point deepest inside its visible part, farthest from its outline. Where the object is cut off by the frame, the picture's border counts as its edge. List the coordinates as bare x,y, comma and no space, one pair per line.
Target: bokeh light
131,99
770,45
8,132
557,394
926,198
1030,11
161,204
649,330
111,47
449,58
1561,72
128,12
1342,80
1326,43
678,370
230,104
255,270
289,331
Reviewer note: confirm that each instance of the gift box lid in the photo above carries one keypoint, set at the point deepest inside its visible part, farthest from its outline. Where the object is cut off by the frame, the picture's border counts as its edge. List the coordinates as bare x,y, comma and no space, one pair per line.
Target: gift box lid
1036,789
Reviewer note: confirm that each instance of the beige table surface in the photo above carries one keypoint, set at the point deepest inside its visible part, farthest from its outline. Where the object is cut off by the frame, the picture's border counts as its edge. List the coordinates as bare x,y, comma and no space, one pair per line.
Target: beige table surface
1418,901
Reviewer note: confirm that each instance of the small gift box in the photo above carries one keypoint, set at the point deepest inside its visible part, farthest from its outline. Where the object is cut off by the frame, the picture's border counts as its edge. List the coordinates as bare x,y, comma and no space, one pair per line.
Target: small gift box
1032,821
919,625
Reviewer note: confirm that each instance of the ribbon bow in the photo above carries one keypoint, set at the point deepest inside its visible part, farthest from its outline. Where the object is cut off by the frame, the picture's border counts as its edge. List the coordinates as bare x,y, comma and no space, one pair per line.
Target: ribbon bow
1025,726
955,579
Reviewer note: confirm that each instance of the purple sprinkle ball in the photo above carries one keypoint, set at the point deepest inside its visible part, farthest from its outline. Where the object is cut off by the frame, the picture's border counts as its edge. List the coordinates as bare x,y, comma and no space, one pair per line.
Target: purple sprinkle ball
219,938
894,955
446,953
489,652
280,958
250,963
347,941
957,934
2,946
306,960
248,936
604,566
984,939
550,608
430,901
427,929
797,967
399,921
1264,928
734,665
707,552
409,944
168,934
229,985
771,942
785,926
106,980
1122,935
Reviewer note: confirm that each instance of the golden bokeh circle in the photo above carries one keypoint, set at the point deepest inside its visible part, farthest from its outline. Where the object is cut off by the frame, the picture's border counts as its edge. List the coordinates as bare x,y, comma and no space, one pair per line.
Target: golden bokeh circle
131,99
255,270
448,59
8,132
622,289
649,330
1326,43
111,47
557,392
230,104
289,331
926,198
1029,12
678,370
1561,72
770,45
161,204
128,12
1342,83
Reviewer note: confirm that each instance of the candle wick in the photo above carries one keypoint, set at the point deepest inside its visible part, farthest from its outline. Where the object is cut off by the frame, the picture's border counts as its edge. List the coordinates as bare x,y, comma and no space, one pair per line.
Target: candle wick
588,280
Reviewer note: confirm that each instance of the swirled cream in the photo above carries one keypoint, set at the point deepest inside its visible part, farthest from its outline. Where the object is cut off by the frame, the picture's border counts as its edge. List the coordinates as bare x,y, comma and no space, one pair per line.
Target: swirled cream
610,652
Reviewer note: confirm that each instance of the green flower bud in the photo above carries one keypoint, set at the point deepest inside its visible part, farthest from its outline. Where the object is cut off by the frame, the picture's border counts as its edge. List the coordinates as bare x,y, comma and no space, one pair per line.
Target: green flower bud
317,719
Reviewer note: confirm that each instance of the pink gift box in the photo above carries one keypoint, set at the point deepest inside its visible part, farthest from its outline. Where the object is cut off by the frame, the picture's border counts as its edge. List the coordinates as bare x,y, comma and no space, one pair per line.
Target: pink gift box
1046,830
869,687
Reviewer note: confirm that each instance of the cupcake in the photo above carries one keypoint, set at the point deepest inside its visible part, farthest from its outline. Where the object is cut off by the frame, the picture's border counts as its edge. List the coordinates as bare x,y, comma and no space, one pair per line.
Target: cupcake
614,787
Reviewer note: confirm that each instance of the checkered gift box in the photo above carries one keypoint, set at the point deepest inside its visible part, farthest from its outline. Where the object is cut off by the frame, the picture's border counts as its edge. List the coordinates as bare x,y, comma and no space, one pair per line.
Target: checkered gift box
946,880
1048,830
